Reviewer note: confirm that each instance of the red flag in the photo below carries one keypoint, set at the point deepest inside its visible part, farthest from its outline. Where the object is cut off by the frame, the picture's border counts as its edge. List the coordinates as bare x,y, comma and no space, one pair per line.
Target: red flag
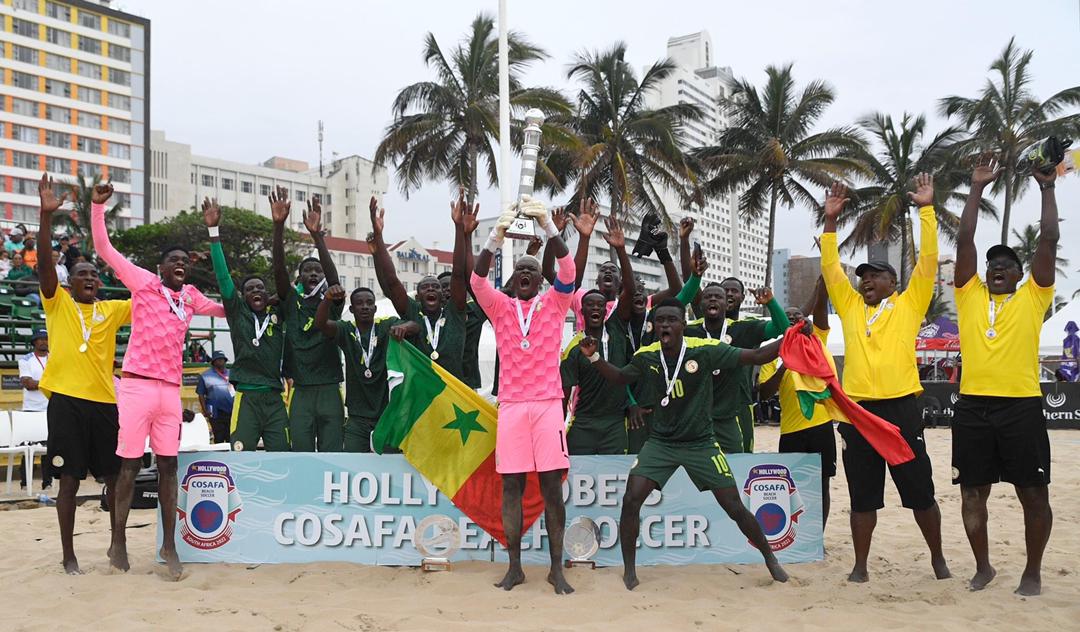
806,355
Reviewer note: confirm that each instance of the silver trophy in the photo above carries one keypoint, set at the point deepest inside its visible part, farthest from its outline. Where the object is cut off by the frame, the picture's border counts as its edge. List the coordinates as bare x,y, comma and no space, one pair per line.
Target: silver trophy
523,227
581,541
437,538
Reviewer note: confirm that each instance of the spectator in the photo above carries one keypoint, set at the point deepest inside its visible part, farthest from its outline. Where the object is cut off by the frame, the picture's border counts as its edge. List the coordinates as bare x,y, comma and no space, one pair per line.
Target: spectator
69,254
5,263
29,252
15,240
216,397
31,368
61,269
19,269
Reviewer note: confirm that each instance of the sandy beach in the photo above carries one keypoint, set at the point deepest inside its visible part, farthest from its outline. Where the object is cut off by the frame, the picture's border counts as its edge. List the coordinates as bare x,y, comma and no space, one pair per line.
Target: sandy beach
902,594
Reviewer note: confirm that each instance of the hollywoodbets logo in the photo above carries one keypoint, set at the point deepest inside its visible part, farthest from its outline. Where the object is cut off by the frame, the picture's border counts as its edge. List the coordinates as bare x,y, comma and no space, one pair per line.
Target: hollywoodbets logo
773,499
207,505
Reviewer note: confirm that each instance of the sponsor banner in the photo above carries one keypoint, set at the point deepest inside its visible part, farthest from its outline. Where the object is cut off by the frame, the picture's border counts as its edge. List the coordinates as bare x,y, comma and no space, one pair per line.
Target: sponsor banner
1060,402
267,507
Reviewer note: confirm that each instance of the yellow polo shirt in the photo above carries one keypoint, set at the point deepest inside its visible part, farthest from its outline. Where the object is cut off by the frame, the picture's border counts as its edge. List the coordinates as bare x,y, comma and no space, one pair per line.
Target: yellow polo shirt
791,417
86,375
1006,365
882,365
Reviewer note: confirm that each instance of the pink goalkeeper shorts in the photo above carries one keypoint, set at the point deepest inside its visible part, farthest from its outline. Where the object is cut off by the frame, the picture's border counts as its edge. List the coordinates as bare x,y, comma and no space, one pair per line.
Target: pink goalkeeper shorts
531,437
148,408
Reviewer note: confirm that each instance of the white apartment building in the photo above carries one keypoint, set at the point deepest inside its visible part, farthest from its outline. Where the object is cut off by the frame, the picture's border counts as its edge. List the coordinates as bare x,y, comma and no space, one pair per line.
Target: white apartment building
74,100
180,180
732,246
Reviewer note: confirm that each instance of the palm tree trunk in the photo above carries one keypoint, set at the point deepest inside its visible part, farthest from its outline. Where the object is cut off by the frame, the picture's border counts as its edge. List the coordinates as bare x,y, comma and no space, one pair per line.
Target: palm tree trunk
1008,203
470,195
772,234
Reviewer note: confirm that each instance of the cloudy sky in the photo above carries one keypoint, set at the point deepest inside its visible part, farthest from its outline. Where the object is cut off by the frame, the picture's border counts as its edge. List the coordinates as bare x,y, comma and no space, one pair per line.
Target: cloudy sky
246,80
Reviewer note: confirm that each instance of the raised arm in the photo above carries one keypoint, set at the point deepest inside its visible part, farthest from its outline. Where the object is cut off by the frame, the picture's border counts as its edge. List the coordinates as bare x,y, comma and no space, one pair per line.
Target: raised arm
212,219
335,293
49,204
920,288
967,265
698,265
384,265
465,222
760,355
1044,263
486,295
836,281
313,223
279,212
584,222
129,274
617,240
561,217
779,321
686,227
818,306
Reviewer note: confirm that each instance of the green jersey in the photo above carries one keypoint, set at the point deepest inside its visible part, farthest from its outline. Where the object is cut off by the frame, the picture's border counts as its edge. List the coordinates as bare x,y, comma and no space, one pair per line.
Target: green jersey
450,328
687,417
474,326
311,359
596,398
365,382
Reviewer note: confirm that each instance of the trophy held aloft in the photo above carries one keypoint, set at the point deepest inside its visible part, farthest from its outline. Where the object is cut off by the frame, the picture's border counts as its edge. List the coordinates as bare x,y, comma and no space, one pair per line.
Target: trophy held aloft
522,226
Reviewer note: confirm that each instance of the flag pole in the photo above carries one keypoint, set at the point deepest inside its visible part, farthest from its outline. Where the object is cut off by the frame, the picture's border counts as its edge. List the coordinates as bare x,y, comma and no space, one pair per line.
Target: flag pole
506,196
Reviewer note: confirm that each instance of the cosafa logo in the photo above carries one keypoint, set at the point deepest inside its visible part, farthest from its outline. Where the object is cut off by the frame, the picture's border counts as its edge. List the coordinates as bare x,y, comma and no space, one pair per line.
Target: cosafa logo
208,503
775,502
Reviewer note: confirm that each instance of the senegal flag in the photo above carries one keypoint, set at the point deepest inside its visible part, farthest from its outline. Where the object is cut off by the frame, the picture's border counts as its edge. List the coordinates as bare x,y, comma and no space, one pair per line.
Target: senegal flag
816,385
447,432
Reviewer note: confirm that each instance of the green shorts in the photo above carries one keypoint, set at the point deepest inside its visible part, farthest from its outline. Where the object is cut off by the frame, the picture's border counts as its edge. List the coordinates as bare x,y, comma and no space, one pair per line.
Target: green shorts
746,424
729,434
597,436
317,418
704,462
258,414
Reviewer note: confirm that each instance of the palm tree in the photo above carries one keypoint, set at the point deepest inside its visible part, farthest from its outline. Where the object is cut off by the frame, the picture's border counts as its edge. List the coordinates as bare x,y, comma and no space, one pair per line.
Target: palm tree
938,308
76,220
1027,241
1006,118
443,128
627,150
770,146
881,210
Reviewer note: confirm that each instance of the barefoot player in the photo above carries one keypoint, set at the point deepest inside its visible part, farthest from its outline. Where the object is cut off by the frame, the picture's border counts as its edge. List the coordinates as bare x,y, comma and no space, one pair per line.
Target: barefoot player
880,325
998,431
148,399
78,380
677,372
530,437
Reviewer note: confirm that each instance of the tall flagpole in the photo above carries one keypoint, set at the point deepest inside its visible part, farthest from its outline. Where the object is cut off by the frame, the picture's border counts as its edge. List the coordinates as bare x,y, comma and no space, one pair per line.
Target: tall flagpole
506,195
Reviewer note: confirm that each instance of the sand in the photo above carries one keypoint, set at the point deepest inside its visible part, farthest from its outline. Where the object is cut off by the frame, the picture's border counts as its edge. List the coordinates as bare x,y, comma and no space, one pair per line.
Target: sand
35,594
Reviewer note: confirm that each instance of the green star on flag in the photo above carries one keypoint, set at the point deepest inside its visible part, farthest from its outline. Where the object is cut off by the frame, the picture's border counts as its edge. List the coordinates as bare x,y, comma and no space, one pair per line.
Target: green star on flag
465,423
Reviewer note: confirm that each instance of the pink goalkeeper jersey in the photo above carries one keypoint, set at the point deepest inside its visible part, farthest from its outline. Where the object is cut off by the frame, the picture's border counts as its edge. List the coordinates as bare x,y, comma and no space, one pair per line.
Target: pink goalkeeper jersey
531,374
156,347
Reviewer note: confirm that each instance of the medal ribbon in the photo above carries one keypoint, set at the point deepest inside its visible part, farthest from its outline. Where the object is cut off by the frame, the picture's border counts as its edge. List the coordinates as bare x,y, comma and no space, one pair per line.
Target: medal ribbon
993,310
372,341
525,323
870,320
177,307
678,368
86,331
260,328
433,334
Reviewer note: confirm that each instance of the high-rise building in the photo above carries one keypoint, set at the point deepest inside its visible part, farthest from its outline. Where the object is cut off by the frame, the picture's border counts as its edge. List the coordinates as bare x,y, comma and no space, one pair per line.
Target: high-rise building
180,180
780,275
76,101
733,246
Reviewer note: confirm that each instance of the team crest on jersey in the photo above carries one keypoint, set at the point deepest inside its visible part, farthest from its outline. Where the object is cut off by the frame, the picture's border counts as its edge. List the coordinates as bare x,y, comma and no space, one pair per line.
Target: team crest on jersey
207,505
691,366
771,496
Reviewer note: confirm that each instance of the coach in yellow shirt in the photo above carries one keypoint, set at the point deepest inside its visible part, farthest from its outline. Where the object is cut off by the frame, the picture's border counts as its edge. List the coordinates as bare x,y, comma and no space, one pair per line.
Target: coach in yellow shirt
880,325
797,433
998,429
78,379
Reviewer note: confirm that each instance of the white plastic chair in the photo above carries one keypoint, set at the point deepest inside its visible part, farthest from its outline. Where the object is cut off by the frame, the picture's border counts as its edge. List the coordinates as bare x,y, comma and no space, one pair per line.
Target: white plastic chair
29,430
7,448
195,437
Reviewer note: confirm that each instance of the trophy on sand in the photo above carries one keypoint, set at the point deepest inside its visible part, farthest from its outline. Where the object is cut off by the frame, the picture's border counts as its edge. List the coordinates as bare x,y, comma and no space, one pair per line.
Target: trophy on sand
437,539
524,227
582,541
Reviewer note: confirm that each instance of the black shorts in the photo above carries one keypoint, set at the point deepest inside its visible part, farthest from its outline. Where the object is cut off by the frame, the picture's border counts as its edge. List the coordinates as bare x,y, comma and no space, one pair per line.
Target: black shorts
1000,439
865,468
820,439
82,436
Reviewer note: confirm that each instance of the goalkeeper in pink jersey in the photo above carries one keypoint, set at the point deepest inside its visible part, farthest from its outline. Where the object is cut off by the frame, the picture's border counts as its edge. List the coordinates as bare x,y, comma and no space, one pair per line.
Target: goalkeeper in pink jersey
148,397
531,436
